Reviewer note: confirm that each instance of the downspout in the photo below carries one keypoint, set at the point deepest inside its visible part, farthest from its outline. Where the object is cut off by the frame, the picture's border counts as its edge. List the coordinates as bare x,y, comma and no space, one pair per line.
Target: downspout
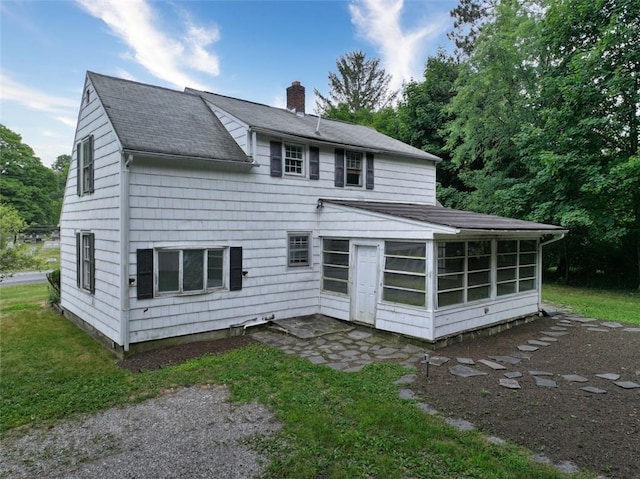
124,250
552,240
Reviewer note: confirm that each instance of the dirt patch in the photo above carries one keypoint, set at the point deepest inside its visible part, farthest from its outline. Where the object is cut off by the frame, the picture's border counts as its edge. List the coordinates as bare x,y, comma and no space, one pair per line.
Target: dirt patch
160,358
600,432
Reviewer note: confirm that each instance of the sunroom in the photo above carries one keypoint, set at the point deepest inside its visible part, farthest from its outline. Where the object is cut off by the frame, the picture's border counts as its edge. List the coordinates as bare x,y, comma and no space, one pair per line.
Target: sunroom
427,271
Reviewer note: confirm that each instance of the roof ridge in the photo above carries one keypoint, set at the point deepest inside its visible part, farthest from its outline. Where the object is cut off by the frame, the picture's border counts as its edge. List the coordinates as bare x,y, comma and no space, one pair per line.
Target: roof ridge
91,74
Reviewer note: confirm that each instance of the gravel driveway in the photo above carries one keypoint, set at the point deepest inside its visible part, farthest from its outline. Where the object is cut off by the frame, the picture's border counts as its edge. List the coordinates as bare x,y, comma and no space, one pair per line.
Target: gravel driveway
188,432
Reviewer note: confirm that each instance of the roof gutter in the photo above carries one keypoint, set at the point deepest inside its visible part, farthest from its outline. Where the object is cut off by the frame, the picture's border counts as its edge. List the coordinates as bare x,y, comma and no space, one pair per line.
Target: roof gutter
171,156
319,139
555,238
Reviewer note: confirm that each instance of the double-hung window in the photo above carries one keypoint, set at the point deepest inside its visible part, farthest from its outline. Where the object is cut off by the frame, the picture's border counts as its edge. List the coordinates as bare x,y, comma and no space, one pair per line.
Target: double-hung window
354,169
189,270
293,160
299,249
353,163
85,261
85,166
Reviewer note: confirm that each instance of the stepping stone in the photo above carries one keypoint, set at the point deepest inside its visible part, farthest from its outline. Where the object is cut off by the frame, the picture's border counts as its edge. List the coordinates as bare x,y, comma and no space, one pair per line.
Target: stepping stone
358,334
535,342
509,383
627,384
317,360
506,359
406,379
555,334
632,330
611,324
540,373
337,366
496,440
527,347
544,382
491,364
598,330
353,369
406,394
460,424
574,378
521,355
579,319
386,351
547,339
558,328
465,371
513,374
438,360
567,467
424,407
594,390
467,361
610,376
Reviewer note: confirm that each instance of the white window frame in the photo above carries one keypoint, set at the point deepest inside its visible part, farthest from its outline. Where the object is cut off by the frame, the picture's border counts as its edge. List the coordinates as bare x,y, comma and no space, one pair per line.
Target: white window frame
354,156
87,167
289,159
87,260
398,271
293,261
205,271
343,267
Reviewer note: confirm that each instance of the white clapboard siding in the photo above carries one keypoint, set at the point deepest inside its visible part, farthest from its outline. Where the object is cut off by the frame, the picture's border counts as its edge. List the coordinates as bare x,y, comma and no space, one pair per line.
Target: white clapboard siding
97,213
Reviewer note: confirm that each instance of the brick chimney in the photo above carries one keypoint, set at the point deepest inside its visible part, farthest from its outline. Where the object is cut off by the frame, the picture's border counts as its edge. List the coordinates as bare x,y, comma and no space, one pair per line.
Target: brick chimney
295,97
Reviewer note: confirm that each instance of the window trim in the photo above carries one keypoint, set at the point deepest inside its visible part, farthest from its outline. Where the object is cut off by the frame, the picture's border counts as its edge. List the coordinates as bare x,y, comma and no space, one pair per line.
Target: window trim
302,160
205,271
366,175
86,261
85,168
292,248
422,274
346,267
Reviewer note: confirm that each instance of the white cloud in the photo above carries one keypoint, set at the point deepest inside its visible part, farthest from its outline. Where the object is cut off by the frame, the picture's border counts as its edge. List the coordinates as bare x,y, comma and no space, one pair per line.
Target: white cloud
136,24
12,91
403,53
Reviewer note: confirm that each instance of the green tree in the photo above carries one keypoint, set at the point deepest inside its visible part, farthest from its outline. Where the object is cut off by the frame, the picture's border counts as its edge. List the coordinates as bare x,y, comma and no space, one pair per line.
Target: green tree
25,183
359,84
13,256
61,170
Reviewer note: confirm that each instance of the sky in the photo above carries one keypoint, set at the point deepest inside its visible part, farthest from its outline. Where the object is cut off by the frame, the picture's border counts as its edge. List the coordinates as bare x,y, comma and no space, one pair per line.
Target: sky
245,49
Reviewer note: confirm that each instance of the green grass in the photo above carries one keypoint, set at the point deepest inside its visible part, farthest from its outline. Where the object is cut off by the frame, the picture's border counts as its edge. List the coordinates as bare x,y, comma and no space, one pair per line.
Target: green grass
623,306
335,425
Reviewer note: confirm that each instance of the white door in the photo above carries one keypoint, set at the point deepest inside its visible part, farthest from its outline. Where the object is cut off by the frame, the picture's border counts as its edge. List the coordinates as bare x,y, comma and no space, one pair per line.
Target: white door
366,284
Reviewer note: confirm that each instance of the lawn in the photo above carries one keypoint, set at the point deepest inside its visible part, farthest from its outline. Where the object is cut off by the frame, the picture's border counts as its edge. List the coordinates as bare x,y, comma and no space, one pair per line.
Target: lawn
609,305
335,425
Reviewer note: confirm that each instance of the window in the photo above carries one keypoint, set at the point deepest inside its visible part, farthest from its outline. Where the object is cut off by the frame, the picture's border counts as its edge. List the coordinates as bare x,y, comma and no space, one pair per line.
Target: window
335,265
405,273
299,249
353,168
350,169
517,266
293,160
466,270
84,153
189,270
85,249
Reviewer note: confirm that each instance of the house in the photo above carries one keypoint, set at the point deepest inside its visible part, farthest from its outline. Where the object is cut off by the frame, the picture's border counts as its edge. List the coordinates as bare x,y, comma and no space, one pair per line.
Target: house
188,214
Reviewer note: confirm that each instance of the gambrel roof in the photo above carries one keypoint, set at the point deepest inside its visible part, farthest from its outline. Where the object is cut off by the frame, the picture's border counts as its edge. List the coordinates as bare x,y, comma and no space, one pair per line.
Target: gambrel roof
280,121
461,220
155,120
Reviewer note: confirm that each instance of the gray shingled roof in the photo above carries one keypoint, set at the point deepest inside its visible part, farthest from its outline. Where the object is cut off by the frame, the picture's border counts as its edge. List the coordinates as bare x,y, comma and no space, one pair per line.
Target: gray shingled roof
152,119
465,220
281,121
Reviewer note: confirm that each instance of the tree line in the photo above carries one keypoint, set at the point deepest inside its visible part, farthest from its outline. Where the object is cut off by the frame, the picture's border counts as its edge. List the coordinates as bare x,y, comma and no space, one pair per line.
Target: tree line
535,115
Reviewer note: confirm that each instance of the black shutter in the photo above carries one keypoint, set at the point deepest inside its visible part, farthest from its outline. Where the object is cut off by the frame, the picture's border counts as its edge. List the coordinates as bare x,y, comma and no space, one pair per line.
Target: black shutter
78,264
92,167
79,169
92,263
144,265
369,171
314,163
276,158
339,167
235,268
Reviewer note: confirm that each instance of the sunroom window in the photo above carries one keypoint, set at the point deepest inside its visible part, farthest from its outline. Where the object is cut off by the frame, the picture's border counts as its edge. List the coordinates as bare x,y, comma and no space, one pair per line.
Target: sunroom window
405,273
335,265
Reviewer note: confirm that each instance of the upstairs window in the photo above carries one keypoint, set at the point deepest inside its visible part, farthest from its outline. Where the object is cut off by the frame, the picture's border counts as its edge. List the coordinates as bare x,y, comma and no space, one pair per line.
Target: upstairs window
293,160
85,167
353,169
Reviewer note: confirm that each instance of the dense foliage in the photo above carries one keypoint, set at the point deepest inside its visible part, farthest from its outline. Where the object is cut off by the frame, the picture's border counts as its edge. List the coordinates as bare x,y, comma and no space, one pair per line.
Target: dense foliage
536,116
